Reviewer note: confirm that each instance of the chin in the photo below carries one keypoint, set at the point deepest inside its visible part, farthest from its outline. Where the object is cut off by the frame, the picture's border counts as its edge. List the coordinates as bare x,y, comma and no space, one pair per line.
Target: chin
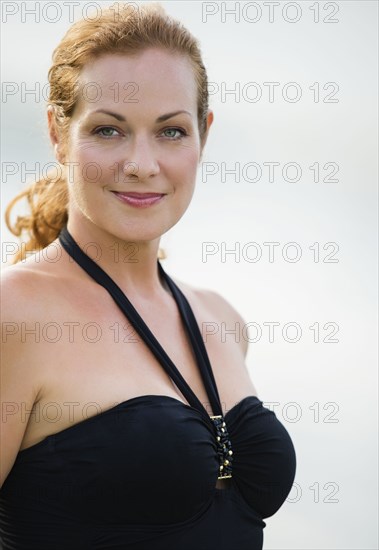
131,234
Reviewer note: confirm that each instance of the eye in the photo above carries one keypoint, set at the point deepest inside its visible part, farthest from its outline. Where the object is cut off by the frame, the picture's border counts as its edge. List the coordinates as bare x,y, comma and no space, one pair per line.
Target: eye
106,131
173,130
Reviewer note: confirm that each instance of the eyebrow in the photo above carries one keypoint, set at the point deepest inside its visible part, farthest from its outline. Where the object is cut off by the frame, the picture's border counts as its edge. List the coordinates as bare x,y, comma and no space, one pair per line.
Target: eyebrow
161,118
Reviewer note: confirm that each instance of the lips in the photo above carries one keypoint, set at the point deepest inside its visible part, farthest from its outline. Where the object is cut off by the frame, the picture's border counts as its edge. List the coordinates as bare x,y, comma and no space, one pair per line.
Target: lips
139,195
139,200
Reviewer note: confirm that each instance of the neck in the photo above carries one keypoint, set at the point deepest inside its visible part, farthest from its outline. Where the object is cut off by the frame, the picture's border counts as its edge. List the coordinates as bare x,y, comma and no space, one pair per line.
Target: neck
131,264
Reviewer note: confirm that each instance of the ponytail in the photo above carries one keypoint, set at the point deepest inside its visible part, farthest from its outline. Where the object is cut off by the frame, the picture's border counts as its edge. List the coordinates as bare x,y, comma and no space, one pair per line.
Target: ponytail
47,201
132,31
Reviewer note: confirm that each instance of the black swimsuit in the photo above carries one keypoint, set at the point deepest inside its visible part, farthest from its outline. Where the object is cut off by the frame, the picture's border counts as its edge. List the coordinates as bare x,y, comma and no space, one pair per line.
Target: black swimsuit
142,474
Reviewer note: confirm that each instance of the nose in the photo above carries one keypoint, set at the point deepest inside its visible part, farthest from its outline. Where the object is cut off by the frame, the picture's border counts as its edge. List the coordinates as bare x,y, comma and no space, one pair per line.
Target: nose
141,161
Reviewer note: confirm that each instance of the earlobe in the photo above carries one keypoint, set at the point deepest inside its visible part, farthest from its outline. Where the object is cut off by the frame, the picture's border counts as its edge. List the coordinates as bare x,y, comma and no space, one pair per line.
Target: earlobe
54,135
58,154
210,118
209,124
205,137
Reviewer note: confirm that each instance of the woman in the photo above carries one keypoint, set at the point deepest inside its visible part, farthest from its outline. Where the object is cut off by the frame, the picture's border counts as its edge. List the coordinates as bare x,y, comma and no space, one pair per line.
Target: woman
122,428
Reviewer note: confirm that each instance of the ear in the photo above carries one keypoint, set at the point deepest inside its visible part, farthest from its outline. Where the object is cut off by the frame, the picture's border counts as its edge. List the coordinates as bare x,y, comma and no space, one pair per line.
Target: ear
205,136
54,134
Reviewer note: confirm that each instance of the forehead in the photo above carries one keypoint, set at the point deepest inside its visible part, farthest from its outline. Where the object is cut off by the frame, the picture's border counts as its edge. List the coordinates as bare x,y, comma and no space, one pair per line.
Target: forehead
153,79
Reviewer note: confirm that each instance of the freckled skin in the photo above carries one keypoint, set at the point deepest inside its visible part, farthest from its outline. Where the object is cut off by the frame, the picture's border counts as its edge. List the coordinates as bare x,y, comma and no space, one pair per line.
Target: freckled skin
166,155
165,158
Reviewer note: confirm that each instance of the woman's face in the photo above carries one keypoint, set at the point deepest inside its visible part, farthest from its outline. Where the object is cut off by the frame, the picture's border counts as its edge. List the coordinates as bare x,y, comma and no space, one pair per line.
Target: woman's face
125,137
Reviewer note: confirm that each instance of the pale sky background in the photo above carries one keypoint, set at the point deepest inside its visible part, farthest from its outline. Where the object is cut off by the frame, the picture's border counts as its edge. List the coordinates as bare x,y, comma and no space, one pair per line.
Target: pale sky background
326,392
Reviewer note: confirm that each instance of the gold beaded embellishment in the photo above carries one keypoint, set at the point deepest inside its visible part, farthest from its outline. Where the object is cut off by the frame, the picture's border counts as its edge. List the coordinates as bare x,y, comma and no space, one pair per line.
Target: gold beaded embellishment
224,447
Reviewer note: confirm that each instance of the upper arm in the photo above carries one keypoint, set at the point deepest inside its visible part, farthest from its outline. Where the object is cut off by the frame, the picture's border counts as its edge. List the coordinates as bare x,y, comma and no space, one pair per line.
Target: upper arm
19,385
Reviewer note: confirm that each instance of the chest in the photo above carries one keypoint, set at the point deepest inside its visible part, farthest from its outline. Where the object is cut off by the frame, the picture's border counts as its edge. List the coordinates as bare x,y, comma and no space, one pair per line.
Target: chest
100,359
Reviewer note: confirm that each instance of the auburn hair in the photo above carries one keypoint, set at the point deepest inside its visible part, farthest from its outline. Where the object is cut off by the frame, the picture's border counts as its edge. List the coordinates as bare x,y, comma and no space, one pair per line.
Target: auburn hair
120,29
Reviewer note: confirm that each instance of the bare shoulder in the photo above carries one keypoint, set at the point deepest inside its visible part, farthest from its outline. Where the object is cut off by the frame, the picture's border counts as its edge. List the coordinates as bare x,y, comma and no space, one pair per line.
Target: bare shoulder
26,294
17,283
213,306
30,295
211,300
23,287
21,374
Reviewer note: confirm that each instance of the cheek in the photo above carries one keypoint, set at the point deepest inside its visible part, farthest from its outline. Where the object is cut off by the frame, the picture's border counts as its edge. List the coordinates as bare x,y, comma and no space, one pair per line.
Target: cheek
180,170
89,166
183,165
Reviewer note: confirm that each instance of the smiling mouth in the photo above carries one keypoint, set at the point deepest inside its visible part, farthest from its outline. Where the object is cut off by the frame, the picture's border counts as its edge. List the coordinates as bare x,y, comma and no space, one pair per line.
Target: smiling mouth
139,199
